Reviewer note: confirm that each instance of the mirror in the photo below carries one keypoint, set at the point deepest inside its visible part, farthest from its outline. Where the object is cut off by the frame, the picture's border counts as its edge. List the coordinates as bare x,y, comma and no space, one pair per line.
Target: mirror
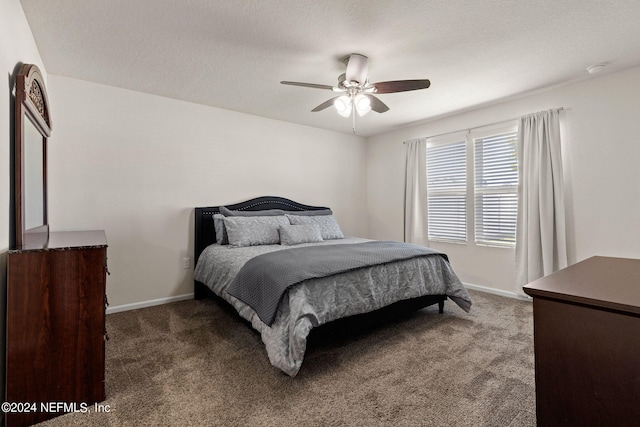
33,177
32,128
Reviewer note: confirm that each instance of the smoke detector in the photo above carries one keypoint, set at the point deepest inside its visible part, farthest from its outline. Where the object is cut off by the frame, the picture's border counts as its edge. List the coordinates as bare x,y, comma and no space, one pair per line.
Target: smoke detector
594,69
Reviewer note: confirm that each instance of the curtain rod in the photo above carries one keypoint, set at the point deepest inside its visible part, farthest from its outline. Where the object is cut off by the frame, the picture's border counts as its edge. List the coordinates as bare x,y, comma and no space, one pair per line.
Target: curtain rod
484,126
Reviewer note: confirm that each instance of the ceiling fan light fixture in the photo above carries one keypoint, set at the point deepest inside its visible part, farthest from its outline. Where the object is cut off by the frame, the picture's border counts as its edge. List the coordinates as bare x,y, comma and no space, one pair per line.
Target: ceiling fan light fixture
342,105
363,104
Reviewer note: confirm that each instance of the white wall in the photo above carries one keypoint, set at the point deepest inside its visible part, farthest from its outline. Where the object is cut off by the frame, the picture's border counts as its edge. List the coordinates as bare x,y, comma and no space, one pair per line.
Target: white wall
136,165
16,46
601,155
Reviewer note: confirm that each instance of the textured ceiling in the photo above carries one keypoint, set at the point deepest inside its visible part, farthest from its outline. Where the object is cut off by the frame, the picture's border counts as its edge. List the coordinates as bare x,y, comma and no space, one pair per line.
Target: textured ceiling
233,54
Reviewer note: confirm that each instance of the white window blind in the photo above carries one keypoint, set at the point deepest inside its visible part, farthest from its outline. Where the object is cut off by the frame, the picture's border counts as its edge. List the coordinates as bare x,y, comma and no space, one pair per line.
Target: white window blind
447,191
496,189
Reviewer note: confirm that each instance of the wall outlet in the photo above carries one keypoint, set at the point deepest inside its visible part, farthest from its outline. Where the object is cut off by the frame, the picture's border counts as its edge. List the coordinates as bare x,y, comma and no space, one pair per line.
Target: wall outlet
186,262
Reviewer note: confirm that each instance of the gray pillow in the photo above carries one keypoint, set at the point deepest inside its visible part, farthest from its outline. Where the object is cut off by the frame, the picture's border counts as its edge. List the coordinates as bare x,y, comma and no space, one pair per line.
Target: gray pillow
296,234
329,228
254,230
221,231
273,212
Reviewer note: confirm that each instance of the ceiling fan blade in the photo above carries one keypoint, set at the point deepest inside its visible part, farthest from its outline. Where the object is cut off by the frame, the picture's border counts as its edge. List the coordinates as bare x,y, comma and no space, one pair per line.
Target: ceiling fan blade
401,85
376,105
357,68
325,104
311,85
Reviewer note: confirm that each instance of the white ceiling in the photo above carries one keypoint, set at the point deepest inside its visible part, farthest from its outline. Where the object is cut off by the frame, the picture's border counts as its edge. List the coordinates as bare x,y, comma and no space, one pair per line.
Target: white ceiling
233,54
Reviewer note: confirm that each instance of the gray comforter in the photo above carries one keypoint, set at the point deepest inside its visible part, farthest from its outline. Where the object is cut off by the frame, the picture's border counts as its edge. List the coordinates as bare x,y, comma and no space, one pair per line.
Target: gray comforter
317,301
265,278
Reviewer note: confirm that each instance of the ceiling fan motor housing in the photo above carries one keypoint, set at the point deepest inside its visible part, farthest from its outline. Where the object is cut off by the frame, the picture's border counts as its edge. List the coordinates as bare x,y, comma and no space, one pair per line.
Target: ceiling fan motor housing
357,69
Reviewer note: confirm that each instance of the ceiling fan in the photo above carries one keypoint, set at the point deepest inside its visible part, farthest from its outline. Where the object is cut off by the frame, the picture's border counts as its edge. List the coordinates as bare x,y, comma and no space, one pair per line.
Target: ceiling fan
357,92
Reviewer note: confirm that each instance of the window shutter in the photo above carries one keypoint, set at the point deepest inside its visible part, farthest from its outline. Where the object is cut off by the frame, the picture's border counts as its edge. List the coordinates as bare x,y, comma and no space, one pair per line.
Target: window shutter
496,189
447,191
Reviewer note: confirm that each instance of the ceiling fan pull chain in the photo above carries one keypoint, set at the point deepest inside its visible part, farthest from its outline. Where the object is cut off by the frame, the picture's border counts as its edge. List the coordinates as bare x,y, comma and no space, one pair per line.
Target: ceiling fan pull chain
353,116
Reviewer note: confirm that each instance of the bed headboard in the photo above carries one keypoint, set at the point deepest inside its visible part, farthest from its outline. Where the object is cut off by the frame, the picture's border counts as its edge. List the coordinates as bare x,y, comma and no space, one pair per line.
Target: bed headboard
205,233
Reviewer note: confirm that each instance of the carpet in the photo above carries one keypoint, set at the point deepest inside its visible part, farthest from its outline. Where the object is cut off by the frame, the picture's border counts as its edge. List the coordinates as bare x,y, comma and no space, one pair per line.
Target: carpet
196,363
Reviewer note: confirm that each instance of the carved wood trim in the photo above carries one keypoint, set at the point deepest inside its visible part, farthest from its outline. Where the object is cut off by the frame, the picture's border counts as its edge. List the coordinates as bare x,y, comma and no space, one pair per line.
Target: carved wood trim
30,91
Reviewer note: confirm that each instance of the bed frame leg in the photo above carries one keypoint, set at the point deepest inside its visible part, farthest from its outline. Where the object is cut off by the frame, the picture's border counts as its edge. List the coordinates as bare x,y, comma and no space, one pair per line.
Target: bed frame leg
441,306
199,292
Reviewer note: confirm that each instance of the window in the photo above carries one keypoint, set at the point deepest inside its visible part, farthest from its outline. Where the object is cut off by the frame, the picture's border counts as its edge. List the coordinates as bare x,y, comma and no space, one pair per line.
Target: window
496,189
473,173
447,191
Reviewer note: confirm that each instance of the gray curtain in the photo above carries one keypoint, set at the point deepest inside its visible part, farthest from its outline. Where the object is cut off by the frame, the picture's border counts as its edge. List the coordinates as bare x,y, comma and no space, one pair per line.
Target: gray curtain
415,193
541,245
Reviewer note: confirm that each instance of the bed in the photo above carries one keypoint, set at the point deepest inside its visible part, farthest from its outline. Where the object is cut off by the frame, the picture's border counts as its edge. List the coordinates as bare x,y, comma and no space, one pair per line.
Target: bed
306,273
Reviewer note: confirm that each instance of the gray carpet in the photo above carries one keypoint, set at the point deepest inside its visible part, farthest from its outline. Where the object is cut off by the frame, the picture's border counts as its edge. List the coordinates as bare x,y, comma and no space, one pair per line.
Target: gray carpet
196,363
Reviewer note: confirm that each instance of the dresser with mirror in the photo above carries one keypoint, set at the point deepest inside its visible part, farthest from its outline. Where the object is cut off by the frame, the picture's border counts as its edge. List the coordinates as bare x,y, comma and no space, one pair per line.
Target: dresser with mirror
56,283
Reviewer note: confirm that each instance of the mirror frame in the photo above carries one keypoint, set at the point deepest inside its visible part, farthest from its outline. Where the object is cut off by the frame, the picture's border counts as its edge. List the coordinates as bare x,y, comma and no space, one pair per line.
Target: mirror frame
31,104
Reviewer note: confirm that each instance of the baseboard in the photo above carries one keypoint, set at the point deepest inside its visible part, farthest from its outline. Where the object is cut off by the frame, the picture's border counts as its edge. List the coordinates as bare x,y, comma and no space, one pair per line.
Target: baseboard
500,292
150,303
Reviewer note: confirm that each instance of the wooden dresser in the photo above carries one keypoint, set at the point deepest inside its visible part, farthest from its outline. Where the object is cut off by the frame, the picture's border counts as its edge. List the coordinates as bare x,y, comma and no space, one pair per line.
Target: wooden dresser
56,326
587,344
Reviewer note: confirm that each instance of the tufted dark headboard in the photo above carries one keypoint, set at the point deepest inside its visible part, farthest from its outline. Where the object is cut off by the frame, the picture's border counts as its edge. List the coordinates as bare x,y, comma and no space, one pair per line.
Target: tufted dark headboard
205,233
